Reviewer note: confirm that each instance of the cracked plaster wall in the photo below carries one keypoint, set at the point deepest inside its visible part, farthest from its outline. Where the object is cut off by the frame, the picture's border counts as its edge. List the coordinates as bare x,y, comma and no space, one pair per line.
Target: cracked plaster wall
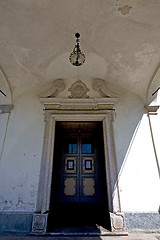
20,162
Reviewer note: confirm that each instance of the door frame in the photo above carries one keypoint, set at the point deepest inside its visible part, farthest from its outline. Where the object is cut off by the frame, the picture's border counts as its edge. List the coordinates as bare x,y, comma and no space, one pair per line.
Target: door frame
79,110
78,157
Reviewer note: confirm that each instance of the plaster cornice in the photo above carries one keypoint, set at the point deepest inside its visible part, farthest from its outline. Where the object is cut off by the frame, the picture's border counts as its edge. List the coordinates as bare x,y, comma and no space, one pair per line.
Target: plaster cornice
6,108
152,110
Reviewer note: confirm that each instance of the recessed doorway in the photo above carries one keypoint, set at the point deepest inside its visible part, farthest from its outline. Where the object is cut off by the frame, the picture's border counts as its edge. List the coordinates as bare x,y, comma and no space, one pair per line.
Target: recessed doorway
79,188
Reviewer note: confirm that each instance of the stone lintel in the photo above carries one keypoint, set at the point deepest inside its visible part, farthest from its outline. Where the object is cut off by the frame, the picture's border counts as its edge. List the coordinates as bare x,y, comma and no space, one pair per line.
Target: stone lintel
79,104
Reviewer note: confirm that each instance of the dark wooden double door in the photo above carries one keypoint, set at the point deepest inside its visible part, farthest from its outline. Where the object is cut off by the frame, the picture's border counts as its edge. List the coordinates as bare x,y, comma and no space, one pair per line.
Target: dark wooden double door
79,195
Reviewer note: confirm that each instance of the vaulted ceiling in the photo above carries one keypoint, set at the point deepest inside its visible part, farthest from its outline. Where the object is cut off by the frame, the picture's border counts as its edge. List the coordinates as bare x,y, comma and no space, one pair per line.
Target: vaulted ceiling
120,38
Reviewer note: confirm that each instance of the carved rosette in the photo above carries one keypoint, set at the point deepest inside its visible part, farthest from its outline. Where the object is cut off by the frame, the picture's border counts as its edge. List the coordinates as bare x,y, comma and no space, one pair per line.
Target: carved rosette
78,90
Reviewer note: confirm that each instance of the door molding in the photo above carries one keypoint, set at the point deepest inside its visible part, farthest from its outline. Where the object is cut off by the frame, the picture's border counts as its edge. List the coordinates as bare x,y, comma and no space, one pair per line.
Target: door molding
60,109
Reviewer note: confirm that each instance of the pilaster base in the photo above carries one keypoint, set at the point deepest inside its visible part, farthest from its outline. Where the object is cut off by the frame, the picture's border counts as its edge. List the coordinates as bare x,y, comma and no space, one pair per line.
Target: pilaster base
117,222
39,223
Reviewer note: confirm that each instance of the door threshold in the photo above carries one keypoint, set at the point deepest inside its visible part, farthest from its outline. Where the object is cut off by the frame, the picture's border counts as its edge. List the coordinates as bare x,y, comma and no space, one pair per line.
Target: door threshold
84,231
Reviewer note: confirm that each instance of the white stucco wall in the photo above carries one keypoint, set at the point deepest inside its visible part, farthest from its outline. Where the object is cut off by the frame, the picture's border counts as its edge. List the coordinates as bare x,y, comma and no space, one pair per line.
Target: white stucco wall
136,164
20,162
137,168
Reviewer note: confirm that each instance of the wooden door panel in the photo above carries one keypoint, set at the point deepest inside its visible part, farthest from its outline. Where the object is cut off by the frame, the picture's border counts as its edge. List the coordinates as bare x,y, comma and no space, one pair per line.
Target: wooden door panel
88,186
79,169
70,187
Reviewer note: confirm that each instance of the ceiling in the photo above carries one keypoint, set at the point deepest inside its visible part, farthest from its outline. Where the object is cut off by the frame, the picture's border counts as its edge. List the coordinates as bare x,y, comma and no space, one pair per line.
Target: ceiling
120,38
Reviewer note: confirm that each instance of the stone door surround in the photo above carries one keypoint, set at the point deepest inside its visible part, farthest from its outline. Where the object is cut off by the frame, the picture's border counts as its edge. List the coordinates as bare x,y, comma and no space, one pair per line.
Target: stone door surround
87,109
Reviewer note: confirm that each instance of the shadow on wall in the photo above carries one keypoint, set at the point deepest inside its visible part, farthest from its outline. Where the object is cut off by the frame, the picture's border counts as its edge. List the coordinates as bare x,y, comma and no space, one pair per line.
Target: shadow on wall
136,162
128,116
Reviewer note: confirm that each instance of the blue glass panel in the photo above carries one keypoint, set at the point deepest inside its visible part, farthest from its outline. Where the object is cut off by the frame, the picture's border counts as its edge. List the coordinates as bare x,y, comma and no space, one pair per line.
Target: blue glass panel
70,165
88,164
72,148
86,148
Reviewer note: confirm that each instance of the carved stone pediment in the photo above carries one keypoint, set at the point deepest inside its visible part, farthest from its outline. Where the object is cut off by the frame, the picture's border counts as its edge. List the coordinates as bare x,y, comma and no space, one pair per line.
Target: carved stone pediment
78,90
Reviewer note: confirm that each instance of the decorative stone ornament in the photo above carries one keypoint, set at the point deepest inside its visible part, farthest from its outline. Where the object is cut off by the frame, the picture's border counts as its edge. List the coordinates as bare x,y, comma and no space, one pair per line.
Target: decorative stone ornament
99,86
117,222
58,86
78,90
39,224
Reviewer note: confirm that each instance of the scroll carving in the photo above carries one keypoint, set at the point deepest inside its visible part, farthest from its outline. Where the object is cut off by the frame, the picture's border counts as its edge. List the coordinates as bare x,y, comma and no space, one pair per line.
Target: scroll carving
99,86
58,86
